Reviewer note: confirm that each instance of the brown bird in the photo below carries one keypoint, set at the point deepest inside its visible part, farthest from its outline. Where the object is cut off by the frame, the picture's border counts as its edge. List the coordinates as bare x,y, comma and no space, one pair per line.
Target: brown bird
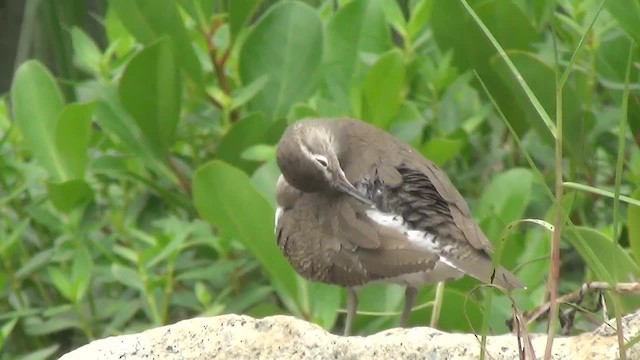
356,205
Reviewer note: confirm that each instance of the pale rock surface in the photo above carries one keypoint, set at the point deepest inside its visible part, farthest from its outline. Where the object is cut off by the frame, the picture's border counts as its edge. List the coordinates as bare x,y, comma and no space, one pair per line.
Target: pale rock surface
284,337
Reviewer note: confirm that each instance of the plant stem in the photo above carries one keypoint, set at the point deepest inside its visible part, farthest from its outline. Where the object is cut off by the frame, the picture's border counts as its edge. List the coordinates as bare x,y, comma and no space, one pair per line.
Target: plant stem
554,274
437,305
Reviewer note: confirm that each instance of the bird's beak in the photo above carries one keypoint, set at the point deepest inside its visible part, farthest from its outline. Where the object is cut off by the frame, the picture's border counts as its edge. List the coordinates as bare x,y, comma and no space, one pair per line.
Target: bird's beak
343,185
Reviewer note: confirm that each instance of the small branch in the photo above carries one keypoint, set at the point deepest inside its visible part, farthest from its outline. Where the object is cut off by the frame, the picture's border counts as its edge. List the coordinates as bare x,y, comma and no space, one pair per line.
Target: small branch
576,295
184,182
218,63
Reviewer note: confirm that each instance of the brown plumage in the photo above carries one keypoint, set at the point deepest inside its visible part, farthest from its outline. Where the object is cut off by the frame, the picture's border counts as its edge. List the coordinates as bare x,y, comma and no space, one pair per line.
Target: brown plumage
356,205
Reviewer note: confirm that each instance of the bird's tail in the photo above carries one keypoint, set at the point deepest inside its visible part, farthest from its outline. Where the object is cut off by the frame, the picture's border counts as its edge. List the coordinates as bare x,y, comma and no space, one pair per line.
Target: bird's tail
479,266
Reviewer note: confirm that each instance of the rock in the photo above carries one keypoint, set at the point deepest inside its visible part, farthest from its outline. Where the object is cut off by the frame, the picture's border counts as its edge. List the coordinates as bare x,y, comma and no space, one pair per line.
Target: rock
284,337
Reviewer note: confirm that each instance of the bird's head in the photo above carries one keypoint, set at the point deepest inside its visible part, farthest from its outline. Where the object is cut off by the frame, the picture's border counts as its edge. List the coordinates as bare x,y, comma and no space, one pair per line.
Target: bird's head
308,157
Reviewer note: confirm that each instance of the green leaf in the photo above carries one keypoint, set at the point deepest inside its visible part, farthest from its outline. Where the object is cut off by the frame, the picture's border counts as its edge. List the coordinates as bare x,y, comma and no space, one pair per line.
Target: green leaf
259,152
225,197
507,195
511,28
127,277
7,243
441,150
34,263
81,272
62,282
633,223
6,329
419,17
504,201
150,20
240,12
245,133
73,130
541,79
69,195
381,102
124,131
42,354
605,258
356,28
324,301
202,293
248,92
627,12
265,179
150,91
86,54
395,17
37,102
286,44
456,320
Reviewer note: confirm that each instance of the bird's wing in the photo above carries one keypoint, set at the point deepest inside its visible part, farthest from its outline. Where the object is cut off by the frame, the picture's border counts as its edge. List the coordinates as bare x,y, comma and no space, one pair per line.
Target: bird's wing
433,215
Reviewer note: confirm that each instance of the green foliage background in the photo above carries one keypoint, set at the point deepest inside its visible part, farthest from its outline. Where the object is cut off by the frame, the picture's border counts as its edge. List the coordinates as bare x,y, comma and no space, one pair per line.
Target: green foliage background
136,186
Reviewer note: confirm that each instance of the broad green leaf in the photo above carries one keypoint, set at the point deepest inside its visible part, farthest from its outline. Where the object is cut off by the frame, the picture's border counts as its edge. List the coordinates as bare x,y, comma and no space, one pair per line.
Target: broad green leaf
150,91
627,12
325,300
377,298
123,130
225,197
72,133
37,102
356,28
504,201
507,195
265,179
86,54
510,27
240,12
606,259
248,92
259,152
245,133
441,150
382,89
633,223
458,314
70,194
286,44
541,79
150,20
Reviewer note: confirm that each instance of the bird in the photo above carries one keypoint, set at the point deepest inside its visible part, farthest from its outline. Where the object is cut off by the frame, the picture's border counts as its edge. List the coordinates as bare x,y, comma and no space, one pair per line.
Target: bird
355,206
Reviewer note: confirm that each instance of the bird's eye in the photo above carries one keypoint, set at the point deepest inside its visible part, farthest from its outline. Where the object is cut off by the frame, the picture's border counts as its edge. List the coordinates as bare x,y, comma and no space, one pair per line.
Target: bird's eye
322,160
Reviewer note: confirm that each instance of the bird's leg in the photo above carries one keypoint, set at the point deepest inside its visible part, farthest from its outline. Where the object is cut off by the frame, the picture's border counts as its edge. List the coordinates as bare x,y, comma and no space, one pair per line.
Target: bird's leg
352,307
409,297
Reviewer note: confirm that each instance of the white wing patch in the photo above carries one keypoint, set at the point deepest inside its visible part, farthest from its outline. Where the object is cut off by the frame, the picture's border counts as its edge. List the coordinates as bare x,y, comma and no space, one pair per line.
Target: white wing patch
279,212
420,238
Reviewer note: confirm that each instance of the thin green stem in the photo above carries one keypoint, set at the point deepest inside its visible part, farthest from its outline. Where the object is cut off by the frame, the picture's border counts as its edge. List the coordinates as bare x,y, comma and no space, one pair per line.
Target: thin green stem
437,307
554,274
622,131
